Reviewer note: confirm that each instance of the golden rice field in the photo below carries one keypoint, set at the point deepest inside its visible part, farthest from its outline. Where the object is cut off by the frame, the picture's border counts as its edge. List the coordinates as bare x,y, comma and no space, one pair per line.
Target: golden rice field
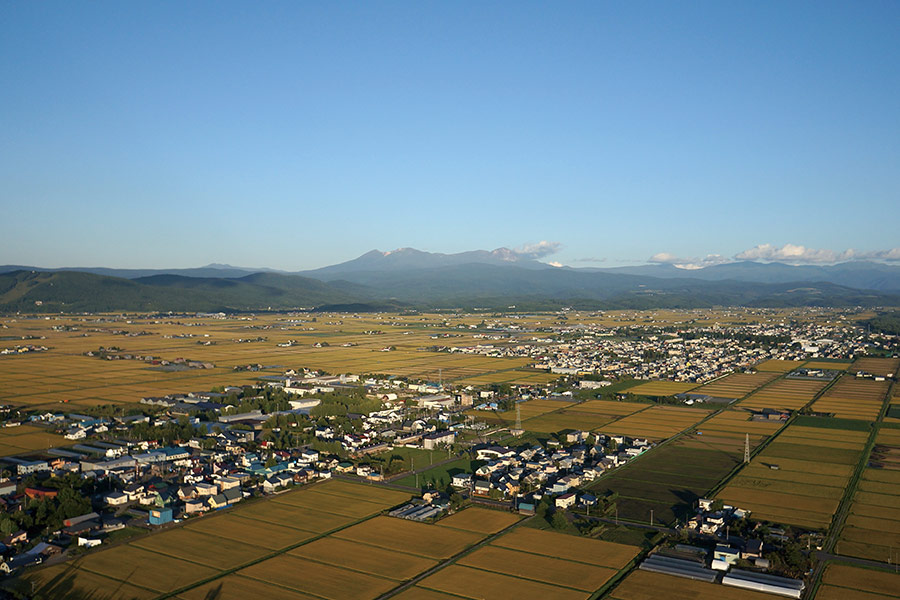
527,409
475,584
64,375
728,430
480,520
784,394
210,546
832,365
389,564
318,579
845,582
27,438
656,423
611,408
644,585
566,419
852,398
529,563
814,466
661,388
407,536
238,587
876,366
872,529
563,574
567,547
736,385
775,365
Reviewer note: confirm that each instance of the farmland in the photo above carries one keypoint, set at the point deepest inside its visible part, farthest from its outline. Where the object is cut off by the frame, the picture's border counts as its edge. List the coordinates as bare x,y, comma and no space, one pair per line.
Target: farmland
784,394
25,438
775,365
212,545
88,381
665,484
883,367
661,388
844,582
851,398
872,529
799,478
479,520
736,385
643,585
655,423
528,563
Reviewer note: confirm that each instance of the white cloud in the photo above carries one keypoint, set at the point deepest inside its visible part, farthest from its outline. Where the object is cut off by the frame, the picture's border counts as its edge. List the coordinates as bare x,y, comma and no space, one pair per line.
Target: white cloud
665,258
538,250
554,263
796,254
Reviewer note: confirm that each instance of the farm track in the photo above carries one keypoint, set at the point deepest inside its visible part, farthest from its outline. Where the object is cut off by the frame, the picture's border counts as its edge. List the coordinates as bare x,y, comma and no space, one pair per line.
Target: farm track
449,561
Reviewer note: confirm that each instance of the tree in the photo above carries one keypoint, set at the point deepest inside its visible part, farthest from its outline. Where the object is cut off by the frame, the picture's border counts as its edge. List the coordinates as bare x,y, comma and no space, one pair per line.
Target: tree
559,521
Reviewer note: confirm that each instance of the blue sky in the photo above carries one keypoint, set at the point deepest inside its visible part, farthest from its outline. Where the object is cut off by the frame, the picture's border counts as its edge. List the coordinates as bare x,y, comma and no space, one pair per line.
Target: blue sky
295,135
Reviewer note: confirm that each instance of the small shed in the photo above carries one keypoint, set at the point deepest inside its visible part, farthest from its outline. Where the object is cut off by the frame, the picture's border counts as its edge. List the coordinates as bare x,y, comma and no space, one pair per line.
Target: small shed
160,516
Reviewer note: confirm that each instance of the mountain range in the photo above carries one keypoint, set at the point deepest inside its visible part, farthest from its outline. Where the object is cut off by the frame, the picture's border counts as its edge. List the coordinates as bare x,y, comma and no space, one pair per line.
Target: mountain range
412,278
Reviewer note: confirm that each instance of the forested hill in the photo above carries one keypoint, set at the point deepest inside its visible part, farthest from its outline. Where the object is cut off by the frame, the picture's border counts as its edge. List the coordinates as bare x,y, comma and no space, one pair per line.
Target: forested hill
465,286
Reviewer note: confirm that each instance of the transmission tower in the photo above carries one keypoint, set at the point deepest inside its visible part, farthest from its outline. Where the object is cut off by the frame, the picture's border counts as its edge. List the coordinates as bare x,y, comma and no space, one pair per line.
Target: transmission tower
747,448
518,416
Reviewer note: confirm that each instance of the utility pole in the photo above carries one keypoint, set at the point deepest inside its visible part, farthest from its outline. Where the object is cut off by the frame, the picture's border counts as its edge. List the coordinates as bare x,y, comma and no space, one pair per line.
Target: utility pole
651,517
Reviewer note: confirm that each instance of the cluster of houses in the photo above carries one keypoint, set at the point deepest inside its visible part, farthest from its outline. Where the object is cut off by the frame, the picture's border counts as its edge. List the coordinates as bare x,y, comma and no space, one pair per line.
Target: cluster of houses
695,354
557,470
23,349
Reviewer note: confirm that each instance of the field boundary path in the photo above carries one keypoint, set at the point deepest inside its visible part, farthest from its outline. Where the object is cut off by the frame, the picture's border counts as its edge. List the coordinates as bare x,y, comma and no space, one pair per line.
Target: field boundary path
449,561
